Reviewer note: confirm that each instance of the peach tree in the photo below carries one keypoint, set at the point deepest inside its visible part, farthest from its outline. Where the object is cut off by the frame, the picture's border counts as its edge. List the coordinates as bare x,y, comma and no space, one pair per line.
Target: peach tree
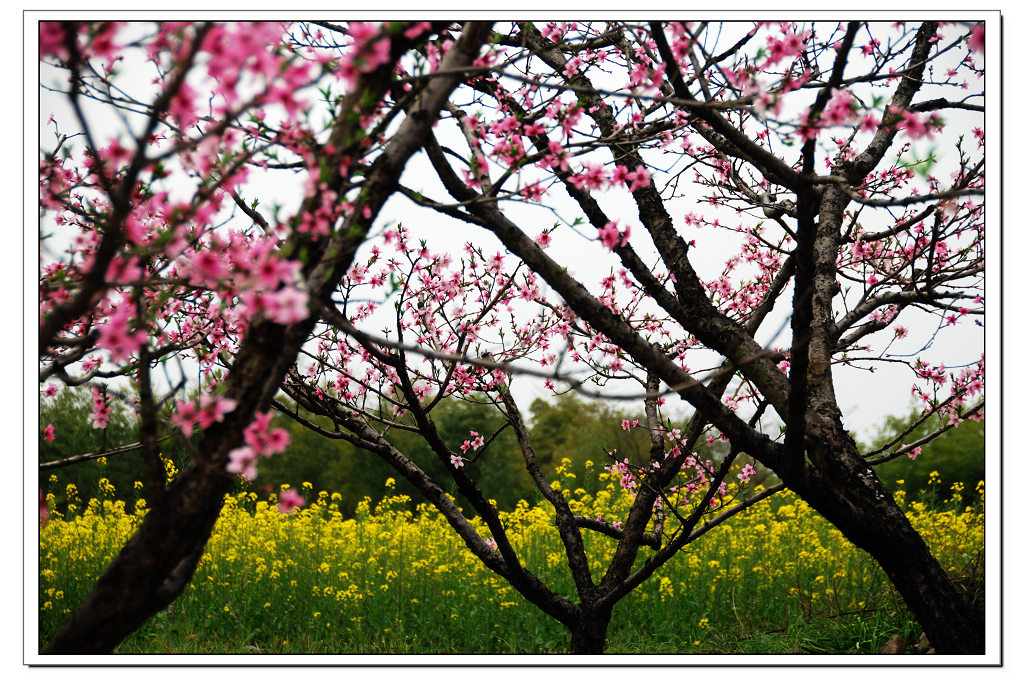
219,242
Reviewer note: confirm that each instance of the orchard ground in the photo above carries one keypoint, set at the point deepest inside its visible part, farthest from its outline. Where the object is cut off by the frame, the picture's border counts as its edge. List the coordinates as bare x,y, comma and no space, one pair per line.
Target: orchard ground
394,579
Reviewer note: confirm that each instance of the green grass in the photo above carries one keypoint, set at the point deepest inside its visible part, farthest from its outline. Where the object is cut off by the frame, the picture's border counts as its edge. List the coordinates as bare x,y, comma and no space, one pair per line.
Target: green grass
776,580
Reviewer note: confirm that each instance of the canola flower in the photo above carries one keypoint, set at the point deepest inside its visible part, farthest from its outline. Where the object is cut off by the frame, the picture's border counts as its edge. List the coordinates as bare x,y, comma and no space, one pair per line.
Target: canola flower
395,578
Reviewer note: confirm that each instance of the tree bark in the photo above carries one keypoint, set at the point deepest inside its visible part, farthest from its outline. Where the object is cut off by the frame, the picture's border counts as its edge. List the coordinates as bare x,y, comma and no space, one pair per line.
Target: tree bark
158,561
590,632
151,570
848,493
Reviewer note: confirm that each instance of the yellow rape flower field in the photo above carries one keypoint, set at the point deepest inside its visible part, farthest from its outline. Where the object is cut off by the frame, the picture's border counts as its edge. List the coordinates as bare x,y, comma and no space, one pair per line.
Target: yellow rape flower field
396,579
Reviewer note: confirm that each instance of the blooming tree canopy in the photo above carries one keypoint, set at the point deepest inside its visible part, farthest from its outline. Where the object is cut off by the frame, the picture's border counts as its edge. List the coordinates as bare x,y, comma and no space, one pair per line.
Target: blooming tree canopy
565,193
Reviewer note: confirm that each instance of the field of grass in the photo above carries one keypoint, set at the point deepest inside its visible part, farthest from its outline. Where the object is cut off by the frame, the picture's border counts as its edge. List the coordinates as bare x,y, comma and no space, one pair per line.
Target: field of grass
775,579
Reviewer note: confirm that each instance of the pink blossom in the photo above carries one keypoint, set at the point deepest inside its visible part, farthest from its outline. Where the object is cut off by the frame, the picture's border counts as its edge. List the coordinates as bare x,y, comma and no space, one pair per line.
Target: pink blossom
182,106
370,48
102,43
51,40
912,454
416,29
840,109
805,131
747,472
209,411
913,124
533,191
494,264
768,102
257,428
572,67
242,461
264,440
610,235
277,441
457,461
976,40
49,433
641,178
186,414
215,410
287,306
270,273
100,414
620,175
116,338
478,440
206,265
288,500
592,177
789,45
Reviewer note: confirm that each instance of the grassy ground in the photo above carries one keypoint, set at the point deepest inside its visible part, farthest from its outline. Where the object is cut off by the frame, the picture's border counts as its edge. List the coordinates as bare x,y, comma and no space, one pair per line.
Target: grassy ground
775,579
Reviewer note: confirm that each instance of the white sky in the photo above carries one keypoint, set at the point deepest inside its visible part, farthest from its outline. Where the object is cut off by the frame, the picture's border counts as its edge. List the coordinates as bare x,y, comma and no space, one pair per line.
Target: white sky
866,399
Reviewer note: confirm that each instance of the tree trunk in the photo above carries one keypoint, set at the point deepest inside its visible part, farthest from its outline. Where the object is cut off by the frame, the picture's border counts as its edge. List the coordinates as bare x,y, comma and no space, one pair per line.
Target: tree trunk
159,559
152,569
952,624
848,493
590,632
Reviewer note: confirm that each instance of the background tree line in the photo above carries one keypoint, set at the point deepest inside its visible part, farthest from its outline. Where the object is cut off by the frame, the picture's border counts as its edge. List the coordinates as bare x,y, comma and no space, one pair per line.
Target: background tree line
570,428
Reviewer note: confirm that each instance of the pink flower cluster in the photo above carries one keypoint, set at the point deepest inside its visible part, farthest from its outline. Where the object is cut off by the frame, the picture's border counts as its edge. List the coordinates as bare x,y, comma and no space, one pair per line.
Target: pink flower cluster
475,442
117,338
370,48
747,472
288,500
626,477
976,39
594,178
610,236
287,306
209,410
100,414
789,44
98,43
913,453
840,109
260,441
916,125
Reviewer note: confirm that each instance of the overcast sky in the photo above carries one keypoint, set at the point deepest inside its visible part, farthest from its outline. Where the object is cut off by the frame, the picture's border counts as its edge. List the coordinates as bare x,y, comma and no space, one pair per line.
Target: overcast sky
865,398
